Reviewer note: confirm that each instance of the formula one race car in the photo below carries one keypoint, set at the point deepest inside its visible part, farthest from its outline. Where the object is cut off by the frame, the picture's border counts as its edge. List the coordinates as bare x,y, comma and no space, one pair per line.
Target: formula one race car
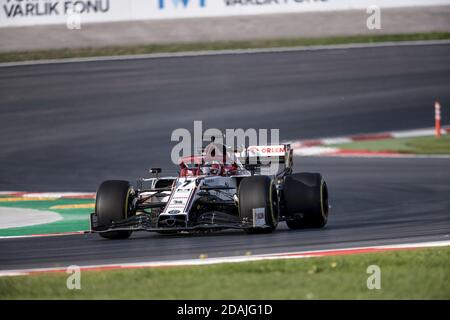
212,195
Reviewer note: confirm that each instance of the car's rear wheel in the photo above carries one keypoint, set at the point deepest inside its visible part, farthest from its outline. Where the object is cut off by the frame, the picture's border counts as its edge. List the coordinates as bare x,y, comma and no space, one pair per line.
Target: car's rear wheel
258,204
112,204
305,200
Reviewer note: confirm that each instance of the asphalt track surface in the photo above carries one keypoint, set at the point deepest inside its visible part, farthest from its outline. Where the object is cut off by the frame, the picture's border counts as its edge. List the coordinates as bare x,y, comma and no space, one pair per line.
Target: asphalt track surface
70,126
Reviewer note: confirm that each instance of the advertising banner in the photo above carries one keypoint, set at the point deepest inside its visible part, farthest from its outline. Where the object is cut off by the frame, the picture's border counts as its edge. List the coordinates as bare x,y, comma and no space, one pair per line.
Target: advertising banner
39,12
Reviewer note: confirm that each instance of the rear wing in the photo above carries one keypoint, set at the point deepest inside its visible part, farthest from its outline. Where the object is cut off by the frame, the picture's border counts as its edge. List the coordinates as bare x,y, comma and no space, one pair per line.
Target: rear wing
268,156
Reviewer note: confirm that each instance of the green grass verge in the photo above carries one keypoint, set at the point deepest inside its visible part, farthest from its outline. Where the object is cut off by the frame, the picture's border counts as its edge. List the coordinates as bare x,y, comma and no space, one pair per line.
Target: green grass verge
164,48
410,274
74,219
419,145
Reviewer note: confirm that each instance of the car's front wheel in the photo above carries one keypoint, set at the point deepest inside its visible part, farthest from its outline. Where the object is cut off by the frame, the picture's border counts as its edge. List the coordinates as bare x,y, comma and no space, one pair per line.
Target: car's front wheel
112,204
258,204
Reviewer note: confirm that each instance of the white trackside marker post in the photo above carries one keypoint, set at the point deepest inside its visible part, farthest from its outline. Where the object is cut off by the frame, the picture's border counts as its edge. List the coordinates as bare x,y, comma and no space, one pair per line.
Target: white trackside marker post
437,118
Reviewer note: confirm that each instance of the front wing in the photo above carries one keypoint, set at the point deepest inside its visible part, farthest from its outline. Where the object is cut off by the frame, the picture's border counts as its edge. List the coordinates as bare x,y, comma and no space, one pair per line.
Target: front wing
144,222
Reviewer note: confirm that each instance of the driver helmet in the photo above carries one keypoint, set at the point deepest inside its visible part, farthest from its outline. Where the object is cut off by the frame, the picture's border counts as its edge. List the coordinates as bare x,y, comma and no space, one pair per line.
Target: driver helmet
212,168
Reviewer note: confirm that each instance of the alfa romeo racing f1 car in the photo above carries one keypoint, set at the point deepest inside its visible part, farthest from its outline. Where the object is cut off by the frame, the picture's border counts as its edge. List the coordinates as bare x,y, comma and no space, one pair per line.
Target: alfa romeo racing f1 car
212,195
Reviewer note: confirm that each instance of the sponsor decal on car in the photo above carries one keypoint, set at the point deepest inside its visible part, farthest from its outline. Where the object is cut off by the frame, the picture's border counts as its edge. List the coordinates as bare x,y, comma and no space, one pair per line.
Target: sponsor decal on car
180,197
259,217
274,151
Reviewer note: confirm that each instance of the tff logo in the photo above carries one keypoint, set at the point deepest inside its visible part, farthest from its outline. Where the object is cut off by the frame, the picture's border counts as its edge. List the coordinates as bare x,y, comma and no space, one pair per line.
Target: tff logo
184,3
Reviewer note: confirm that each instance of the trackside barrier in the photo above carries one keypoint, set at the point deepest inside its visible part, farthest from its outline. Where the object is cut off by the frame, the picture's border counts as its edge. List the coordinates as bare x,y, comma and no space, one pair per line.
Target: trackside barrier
42,12
437,118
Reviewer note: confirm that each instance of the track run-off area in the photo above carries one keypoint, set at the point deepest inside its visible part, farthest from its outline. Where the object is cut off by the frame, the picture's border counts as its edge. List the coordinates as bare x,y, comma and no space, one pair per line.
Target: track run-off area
69,126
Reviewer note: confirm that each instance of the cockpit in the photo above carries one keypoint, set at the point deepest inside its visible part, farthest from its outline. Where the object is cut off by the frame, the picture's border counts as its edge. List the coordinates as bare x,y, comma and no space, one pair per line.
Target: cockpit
201,166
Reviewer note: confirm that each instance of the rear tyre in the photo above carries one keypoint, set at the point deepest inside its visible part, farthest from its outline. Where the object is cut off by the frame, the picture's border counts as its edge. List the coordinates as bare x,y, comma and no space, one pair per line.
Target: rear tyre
259,192
305,200
112,205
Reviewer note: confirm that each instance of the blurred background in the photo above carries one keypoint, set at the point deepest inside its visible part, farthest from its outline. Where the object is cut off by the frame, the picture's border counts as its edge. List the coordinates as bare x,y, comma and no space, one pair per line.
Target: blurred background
69,126
92,90
43,24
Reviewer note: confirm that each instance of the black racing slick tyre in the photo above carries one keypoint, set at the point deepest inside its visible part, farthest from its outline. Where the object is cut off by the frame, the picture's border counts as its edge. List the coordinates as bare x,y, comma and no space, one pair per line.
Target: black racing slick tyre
112,205
259,193
305,200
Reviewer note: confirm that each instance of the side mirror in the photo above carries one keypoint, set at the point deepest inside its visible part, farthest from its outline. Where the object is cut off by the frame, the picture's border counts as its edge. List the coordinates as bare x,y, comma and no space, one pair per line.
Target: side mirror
155,171
252,168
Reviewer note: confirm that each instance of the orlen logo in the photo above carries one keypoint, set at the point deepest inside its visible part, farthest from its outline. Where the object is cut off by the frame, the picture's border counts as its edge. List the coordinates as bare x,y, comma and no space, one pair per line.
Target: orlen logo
266,149
183,3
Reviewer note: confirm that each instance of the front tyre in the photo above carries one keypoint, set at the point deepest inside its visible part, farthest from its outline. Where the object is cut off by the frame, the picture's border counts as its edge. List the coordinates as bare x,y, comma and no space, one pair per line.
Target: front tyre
112,204
258,198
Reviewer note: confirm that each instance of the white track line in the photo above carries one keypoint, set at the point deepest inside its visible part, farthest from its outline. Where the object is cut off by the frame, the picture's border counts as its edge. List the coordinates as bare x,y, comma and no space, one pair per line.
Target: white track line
314,151
237,259
227,52
392,134
322,146
50,195
388,156
7,193
57,194
415,133
338,140
59,234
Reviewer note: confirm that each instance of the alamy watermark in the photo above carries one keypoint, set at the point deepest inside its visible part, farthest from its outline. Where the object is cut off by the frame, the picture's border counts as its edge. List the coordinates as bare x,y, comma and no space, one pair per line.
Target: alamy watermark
374,280
73,21
221,146
373,22
73,281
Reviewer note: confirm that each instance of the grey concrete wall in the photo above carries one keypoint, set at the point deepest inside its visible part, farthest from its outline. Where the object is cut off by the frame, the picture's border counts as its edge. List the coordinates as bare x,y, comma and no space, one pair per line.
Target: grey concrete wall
314,24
